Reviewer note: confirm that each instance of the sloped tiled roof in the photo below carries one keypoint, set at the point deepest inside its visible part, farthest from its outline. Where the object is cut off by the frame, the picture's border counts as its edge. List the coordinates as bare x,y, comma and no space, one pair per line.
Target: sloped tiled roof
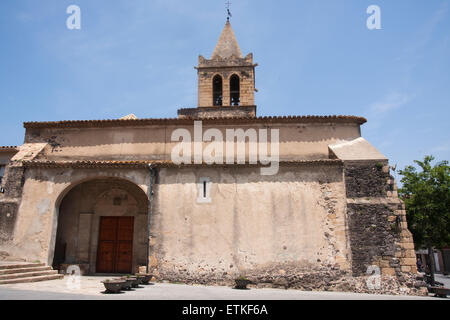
188,121
86,164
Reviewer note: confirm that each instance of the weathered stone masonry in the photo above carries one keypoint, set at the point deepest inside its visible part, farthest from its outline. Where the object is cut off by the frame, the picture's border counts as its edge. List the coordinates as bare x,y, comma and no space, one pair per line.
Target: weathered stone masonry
377,221
376,237
9,201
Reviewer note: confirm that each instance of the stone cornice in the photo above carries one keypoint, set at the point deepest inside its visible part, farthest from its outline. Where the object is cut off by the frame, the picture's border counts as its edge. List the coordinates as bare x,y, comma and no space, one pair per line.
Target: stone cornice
89,164
225,66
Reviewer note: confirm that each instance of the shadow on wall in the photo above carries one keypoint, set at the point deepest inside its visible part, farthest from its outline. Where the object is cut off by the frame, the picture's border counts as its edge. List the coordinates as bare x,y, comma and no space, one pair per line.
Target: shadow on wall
86,137
297,173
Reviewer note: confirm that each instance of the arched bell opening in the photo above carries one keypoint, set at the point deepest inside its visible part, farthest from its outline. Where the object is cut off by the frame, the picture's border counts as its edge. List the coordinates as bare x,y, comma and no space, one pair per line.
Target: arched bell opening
235,90
217,91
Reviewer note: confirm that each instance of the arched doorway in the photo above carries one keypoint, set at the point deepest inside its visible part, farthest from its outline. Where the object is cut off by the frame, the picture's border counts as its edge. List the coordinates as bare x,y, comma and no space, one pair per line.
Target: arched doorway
102,227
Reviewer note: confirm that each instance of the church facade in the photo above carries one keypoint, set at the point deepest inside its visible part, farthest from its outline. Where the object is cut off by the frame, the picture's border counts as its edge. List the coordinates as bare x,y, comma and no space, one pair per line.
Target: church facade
108,196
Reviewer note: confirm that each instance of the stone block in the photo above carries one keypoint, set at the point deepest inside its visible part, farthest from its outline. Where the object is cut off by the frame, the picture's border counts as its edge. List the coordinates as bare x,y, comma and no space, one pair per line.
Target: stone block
408,245
388,271
406,269
408,261
410,254
384,264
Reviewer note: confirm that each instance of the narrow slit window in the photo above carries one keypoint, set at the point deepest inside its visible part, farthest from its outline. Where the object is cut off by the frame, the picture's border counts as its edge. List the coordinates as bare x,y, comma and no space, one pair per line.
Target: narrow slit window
235,90
204,190
217,91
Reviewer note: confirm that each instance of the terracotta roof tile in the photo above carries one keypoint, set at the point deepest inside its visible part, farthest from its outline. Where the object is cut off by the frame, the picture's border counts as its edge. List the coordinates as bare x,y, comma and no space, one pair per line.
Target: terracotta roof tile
8,148
188,121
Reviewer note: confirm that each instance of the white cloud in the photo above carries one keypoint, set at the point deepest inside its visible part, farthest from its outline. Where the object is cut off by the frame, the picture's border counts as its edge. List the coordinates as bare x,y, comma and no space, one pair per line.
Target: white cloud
391,102
425,33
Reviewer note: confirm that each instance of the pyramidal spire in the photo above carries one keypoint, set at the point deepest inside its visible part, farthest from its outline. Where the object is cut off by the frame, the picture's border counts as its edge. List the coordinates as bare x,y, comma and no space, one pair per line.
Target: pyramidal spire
227,45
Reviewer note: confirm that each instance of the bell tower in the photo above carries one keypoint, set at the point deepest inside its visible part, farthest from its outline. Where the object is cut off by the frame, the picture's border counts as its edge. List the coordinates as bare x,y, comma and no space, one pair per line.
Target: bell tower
226,82
227,79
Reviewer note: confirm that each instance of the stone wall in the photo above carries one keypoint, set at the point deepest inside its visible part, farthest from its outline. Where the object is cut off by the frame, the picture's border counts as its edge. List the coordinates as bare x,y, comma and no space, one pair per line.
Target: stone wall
8,213
298,141
372,234
34,235
252,225
377,222
366,179
218,112
243,68
288,231
12,183
14,180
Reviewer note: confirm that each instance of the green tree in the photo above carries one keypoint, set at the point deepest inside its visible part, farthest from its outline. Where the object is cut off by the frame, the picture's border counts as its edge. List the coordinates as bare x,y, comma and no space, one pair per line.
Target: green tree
426,194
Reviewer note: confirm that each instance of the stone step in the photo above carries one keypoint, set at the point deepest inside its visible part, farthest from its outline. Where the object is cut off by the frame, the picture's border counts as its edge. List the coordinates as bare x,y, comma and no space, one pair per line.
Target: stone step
33,279
27,274
20,265
22,270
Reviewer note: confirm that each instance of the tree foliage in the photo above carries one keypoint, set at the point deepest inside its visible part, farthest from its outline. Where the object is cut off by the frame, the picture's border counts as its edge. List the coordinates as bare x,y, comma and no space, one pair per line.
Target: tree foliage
426,194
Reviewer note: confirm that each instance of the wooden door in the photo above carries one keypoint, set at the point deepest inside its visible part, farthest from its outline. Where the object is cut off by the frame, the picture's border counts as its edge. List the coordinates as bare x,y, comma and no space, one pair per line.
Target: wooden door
115,245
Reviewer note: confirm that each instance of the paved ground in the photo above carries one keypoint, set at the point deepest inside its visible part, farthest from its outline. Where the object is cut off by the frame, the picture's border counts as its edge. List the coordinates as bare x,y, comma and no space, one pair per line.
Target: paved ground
7,263
443,279
92,289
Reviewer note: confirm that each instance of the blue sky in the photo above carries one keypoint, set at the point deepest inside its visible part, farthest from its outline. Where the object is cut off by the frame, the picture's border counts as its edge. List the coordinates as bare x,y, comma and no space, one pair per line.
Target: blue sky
315,57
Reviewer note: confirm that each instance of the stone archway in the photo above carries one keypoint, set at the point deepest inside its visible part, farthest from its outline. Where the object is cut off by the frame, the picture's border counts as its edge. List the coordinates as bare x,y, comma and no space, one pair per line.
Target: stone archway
79,232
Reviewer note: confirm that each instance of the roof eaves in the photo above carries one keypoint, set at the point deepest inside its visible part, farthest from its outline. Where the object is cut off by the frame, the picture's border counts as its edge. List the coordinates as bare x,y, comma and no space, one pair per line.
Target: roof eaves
186,121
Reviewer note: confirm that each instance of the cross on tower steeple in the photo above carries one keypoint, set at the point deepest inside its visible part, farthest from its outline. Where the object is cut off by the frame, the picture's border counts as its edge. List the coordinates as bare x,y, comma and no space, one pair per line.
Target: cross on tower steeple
228,4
